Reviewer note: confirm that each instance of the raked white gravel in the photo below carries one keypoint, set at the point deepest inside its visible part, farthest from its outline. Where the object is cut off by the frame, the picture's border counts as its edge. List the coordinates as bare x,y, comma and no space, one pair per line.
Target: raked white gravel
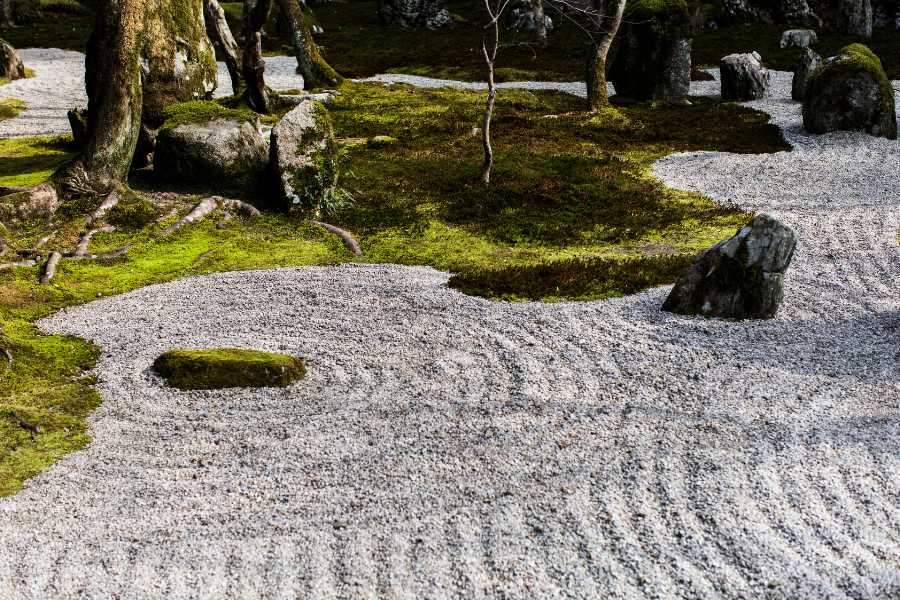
447,446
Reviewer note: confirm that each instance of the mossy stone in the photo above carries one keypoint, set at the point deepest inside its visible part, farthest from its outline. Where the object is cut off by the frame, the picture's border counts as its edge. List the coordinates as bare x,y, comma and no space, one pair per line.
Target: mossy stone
228,368
381,141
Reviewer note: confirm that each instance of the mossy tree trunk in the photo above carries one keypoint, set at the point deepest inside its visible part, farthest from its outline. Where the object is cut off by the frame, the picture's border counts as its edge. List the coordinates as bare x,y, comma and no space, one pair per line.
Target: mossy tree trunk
219,32
256,13
607,19
115,96
310,63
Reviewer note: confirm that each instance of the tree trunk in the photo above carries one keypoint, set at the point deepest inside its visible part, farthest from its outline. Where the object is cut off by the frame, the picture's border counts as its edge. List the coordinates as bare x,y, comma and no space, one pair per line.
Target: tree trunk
608,27
316,72
6,17
219,32
11,66
540,23
115,96
256,13
180,60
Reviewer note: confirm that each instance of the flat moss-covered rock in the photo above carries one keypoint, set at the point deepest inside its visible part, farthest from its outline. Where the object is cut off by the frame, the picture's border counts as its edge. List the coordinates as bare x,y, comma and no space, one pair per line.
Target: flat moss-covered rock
228,368
850,92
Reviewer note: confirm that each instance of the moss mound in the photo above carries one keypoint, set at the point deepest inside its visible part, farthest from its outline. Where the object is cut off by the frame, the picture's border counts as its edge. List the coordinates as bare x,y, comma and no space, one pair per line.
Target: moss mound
591,278
228,368
203,111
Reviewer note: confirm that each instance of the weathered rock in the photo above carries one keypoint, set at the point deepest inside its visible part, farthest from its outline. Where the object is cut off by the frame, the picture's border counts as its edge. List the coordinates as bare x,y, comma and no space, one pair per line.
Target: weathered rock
298,141
39,202
798,38
798,12
743,77
231,153
738,278
793,12
809,60
850,92
11,66
653,58
854,17
525,18
414,13
228,368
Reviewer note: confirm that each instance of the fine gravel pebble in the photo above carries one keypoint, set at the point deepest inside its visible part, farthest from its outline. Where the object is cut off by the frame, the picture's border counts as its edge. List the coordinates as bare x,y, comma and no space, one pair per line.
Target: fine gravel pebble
447,446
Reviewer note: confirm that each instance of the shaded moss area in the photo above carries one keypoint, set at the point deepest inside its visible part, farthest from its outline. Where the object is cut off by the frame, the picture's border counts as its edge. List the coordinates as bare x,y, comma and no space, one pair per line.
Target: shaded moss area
568,184
10,107
228,368
28,161
588,278
711,46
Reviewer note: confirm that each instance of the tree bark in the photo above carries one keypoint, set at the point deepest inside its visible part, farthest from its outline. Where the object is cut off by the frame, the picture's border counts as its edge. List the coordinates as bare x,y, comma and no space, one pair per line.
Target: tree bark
6,17
219,32
540,23
256,13
310,63
115,96
609,19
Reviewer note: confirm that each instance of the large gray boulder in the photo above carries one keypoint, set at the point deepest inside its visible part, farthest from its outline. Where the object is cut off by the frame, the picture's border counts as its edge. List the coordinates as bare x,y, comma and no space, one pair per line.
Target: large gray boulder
653,58
526,17
297,156
798,38
739,278
850,92
809,61
228,152
854,17
11,66
39,202
743,77
414,13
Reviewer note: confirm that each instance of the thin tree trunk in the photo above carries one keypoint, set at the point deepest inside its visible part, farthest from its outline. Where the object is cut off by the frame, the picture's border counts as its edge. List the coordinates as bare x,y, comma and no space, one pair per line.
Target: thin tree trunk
115,97
611,19
310,63
256,13
489,59
219,32
6,18
540,23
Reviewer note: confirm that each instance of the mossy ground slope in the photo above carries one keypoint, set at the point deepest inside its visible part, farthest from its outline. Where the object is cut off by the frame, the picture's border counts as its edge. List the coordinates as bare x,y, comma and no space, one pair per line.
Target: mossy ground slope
569,186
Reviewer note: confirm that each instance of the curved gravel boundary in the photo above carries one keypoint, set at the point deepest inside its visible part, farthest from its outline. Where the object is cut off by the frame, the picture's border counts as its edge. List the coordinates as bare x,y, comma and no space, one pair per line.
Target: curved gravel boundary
447,446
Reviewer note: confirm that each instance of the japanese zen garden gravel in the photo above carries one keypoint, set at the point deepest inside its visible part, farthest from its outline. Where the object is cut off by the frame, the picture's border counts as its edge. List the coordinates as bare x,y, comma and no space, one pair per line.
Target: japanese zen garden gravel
448,446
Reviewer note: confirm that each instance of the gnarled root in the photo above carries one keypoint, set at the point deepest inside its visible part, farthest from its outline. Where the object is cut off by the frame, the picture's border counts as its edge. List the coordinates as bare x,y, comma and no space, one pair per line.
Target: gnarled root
15,265
198,213
348,239
50,267
81,249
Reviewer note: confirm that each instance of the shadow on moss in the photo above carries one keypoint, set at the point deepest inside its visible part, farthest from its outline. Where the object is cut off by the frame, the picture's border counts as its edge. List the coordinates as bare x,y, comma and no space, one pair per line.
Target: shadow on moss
590,278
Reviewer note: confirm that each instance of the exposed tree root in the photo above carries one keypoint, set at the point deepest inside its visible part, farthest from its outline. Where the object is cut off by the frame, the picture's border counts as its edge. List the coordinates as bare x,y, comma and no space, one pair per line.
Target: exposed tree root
348,239
81,249
36,249
50,267
239,206
198,213
105,255
29,427
9,359
111,200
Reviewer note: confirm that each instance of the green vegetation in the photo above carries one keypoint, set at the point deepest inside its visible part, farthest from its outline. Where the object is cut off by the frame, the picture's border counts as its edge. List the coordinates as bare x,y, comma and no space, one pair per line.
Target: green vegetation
860,57
10,107
28,161
201,111
588,278
228,368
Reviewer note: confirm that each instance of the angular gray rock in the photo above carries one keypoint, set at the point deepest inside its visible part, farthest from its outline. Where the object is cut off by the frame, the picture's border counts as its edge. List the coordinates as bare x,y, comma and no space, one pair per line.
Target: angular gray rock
296,147
850,92
11,66
525,18
808,62
743,77
738,278
793,12
414,13
854,17
798,38
230,153
653,59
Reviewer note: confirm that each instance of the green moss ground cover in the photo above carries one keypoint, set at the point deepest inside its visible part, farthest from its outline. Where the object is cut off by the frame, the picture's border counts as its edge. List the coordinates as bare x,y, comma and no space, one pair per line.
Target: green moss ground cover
571,199
228,368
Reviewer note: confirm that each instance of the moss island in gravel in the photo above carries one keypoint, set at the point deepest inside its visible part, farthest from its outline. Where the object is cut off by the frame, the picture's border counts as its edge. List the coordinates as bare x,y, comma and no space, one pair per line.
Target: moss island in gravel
228,368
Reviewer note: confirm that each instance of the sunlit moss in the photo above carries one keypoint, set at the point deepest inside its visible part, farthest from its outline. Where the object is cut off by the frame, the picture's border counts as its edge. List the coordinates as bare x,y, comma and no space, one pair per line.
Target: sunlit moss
28,161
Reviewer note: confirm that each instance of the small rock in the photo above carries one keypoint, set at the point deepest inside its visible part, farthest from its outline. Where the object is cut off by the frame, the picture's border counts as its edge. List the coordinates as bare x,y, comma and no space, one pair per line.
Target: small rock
738,278
297,140
798,38
39,202
743,77
809,60
11,66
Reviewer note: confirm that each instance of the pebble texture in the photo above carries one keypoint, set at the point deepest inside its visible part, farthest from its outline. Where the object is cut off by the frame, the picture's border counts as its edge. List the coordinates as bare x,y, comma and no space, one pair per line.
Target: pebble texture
445,446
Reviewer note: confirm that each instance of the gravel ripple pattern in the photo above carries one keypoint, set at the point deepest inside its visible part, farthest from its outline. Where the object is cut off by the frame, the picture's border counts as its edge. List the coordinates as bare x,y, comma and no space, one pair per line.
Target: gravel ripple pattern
445,446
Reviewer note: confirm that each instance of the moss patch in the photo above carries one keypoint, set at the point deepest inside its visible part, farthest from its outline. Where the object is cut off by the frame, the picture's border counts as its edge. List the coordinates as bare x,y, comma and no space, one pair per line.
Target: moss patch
25,162
228,368
203,111
10,108
589,278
